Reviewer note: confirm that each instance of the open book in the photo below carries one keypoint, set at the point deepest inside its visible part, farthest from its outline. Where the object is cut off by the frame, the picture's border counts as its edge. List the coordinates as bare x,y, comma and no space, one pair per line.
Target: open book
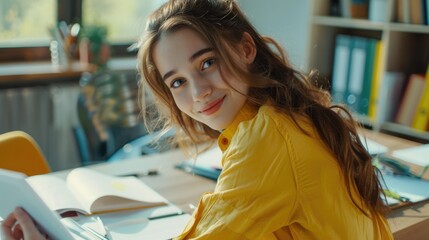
90,192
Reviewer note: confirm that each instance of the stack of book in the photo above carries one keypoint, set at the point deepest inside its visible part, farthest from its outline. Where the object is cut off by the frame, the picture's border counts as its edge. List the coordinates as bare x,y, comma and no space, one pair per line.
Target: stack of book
356,73
360,83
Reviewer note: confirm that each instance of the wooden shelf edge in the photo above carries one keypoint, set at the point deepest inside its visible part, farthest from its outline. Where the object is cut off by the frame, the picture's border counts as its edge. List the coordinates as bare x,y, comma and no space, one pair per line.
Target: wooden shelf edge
394,129
369,25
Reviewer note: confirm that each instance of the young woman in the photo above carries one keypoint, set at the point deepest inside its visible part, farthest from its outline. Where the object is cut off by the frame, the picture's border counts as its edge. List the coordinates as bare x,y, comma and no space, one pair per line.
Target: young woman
293,166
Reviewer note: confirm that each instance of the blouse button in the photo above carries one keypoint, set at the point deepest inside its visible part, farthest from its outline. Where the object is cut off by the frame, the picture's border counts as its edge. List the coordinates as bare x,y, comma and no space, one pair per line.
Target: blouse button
224,141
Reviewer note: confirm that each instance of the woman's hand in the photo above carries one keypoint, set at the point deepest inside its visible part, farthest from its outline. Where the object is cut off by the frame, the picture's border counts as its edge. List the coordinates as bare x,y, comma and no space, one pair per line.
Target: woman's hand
19,225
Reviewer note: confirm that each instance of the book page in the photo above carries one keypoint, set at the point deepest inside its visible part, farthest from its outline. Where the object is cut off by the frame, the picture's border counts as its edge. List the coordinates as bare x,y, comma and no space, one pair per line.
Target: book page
373,147
55,193
415,155
101,192
15,191
211,158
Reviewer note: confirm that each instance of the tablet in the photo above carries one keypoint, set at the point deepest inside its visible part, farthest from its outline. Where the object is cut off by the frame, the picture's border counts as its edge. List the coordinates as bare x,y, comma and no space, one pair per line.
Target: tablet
16,192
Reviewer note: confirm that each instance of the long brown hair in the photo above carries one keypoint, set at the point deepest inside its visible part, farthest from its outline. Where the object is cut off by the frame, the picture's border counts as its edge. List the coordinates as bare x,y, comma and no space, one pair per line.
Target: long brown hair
271,79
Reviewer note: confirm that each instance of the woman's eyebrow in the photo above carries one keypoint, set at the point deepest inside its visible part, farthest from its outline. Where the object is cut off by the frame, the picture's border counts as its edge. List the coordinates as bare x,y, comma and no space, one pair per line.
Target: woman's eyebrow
168,74
191,58
199,53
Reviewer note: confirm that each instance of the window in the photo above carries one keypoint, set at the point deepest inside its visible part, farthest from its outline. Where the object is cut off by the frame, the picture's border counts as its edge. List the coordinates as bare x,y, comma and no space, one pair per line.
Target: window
24,24
124,19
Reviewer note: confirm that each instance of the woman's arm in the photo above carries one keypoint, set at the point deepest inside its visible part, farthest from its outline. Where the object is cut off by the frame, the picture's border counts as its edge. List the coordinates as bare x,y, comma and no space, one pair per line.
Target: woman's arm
256,192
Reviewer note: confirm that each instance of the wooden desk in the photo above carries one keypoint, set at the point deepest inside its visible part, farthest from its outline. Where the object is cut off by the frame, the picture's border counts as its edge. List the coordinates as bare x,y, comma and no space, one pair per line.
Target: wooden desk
407,222
183,189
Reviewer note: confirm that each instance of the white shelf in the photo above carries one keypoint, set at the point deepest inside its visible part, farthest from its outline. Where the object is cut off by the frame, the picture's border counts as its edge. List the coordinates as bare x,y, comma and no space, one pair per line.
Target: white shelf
412,28
348,23
368,25
405,49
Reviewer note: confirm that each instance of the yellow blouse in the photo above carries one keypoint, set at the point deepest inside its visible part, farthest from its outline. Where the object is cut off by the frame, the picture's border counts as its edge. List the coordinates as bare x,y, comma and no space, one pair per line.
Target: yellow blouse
278,183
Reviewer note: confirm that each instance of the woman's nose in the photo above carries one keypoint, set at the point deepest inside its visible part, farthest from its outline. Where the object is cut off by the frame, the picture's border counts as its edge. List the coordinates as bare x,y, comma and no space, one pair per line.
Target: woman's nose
201,88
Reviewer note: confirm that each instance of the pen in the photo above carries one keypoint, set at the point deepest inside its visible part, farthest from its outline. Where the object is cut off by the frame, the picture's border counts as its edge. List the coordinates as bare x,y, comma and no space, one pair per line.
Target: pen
101,226
395,195
85,228
166,215
150,172
136,220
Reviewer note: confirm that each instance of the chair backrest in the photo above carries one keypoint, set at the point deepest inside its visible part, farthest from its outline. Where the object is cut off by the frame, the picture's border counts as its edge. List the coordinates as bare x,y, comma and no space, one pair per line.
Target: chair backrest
109,114
20,152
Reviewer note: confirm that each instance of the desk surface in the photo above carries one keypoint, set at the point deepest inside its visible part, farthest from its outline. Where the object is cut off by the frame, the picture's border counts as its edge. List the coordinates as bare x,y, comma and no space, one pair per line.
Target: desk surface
183,189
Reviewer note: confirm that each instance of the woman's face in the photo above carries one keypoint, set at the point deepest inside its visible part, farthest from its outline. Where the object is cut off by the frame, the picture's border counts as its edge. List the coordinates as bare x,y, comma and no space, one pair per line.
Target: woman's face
190,69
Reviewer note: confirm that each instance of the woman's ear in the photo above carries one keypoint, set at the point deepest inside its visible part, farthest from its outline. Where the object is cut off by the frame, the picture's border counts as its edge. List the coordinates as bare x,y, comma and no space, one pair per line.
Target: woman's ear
248,48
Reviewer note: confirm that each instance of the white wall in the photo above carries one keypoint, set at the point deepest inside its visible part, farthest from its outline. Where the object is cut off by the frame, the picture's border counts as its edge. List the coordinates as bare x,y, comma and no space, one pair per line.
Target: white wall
287,21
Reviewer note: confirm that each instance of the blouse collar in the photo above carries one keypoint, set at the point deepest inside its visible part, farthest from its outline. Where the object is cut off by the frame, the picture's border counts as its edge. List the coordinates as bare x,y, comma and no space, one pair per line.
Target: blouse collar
246,113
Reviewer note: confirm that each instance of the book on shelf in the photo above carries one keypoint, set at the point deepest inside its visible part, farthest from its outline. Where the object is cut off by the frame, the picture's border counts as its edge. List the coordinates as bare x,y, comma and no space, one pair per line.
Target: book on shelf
417,11
389,95
426,5
345,8
377,10
410,99
376,81
421,118
403,12
354,8
90,192
359,9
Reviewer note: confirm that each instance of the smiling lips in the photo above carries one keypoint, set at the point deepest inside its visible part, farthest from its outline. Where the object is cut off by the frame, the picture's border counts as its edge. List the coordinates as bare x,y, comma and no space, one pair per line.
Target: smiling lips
213,107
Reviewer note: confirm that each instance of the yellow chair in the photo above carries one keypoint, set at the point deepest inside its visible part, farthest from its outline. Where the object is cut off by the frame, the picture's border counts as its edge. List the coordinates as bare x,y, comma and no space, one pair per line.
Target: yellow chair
19,152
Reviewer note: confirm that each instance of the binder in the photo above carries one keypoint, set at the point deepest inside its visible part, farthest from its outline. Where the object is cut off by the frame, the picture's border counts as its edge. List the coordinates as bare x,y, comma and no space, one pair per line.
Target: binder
421,119
376,81
340,69
356,74
363,102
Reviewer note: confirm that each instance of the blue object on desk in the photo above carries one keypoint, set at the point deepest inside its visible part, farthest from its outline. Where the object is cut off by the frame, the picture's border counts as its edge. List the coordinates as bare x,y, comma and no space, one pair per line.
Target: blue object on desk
207,164
412,188
140,146
207,172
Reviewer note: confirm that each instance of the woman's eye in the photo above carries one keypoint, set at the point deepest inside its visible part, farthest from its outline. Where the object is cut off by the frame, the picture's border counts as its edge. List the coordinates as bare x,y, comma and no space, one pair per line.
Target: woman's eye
177,83
208,63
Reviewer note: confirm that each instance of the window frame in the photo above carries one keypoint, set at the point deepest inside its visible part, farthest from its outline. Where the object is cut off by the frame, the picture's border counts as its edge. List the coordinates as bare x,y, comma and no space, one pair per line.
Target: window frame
69,11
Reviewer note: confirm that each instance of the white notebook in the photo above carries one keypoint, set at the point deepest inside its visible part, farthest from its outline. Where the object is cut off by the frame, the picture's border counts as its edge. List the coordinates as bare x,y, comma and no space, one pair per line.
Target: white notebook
16,192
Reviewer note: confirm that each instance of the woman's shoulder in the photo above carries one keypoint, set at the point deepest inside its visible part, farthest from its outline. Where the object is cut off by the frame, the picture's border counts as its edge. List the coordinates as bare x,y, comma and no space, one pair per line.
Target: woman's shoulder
282,120
269,122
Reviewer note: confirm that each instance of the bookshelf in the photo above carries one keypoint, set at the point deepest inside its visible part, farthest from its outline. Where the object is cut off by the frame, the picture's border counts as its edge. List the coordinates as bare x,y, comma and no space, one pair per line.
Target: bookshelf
405,49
